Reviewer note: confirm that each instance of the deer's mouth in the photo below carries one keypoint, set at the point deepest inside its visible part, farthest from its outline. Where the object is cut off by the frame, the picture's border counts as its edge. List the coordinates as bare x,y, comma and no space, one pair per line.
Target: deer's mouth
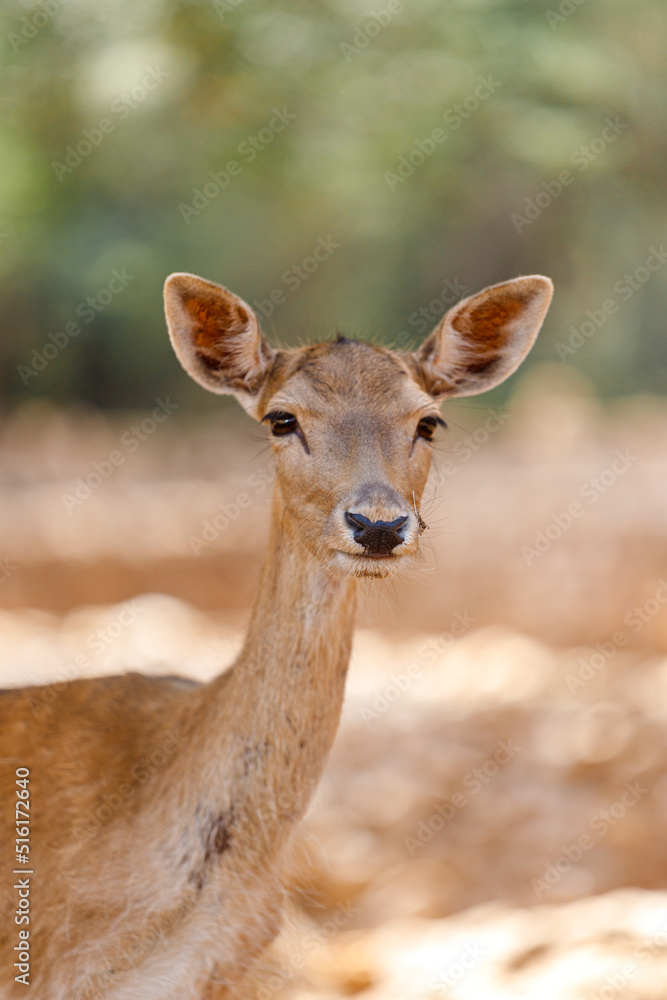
378,555
369,564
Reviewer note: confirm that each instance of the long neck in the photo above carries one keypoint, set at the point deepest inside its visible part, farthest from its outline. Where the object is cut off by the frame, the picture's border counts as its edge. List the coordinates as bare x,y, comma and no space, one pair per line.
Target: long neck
267,729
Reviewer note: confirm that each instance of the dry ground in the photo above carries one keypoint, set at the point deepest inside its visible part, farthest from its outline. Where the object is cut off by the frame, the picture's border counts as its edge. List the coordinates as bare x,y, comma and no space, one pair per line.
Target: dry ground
492,826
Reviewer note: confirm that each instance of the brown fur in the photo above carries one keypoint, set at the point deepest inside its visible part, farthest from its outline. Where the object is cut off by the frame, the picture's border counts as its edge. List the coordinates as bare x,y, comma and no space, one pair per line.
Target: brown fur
165,882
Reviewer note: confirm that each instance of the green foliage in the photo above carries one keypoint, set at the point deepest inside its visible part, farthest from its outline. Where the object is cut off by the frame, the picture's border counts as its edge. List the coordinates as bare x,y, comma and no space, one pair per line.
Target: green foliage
163,94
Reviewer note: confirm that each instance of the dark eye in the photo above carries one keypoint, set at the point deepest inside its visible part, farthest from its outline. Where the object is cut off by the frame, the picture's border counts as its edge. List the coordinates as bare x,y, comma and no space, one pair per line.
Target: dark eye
282,423
426,427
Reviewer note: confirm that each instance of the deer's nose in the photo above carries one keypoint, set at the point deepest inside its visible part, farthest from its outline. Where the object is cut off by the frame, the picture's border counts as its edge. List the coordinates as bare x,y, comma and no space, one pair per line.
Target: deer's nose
377,537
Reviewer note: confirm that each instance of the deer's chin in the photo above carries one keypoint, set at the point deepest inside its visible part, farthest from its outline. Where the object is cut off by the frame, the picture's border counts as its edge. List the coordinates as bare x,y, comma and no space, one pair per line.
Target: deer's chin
369,566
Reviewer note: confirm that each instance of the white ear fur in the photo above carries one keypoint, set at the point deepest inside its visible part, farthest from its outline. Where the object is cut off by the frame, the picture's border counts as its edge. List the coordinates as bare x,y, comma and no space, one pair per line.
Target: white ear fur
484,338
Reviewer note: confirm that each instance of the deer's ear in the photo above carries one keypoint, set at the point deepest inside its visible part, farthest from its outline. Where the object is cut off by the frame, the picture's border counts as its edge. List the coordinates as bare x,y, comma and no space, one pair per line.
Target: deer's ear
216,337
483,338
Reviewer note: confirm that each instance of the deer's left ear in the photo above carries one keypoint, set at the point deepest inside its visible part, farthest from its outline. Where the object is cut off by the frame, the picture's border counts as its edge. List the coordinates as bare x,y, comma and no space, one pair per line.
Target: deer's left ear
484,338
216,337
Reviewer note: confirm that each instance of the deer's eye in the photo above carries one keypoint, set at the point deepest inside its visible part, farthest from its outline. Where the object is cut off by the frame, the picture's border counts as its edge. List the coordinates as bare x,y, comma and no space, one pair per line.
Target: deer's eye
426,427
281,423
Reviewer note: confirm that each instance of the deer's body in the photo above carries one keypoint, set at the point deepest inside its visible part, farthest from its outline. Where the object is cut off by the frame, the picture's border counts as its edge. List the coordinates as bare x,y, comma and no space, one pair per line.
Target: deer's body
160,809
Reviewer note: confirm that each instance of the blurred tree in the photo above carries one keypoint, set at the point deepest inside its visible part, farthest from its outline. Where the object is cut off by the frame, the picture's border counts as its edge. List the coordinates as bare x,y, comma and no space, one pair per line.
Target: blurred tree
352,165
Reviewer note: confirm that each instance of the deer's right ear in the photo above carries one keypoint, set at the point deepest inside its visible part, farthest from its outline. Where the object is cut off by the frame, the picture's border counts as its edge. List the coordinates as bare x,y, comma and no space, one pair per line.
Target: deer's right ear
216,337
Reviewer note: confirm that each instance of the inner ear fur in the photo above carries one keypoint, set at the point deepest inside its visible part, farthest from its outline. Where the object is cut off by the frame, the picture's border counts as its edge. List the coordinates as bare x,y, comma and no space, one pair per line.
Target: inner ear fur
484,338
216,336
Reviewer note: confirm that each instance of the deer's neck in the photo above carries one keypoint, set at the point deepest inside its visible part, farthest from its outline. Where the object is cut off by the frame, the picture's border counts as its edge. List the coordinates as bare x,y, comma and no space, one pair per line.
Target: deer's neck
268,728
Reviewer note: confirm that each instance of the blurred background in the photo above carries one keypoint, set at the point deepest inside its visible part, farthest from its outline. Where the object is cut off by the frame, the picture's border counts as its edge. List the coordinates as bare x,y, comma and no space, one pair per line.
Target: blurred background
495,828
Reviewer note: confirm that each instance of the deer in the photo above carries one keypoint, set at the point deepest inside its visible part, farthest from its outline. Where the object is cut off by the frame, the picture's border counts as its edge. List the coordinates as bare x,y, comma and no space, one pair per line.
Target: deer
165,881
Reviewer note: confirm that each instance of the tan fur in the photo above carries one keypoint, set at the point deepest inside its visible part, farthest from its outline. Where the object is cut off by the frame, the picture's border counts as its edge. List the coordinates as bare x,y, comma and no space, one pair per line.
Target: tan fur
167,883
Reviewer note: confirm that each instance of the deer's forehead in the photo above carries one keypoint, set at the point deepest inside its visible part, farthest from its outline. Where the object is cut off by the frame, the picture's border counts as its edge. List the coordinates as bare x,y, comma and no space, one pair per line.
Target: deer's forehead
327,377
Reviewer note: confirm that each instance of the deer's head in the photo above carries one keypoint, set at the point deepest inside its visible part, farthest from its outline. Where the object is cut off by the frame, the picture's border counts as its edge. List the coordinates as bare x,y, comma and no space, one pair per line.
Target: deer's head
351,424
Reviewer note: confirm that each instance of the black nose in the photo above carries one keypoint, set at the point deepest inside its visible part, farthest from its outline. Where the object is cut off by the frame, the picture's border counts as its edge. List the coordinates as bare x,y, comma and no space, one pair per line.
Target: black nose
377,537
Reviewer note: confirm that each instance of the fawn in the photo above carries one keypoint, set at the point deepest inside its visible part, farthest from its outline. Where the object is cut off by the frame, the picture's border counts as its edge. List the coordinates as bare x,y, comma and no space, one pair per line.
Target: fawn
175,894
